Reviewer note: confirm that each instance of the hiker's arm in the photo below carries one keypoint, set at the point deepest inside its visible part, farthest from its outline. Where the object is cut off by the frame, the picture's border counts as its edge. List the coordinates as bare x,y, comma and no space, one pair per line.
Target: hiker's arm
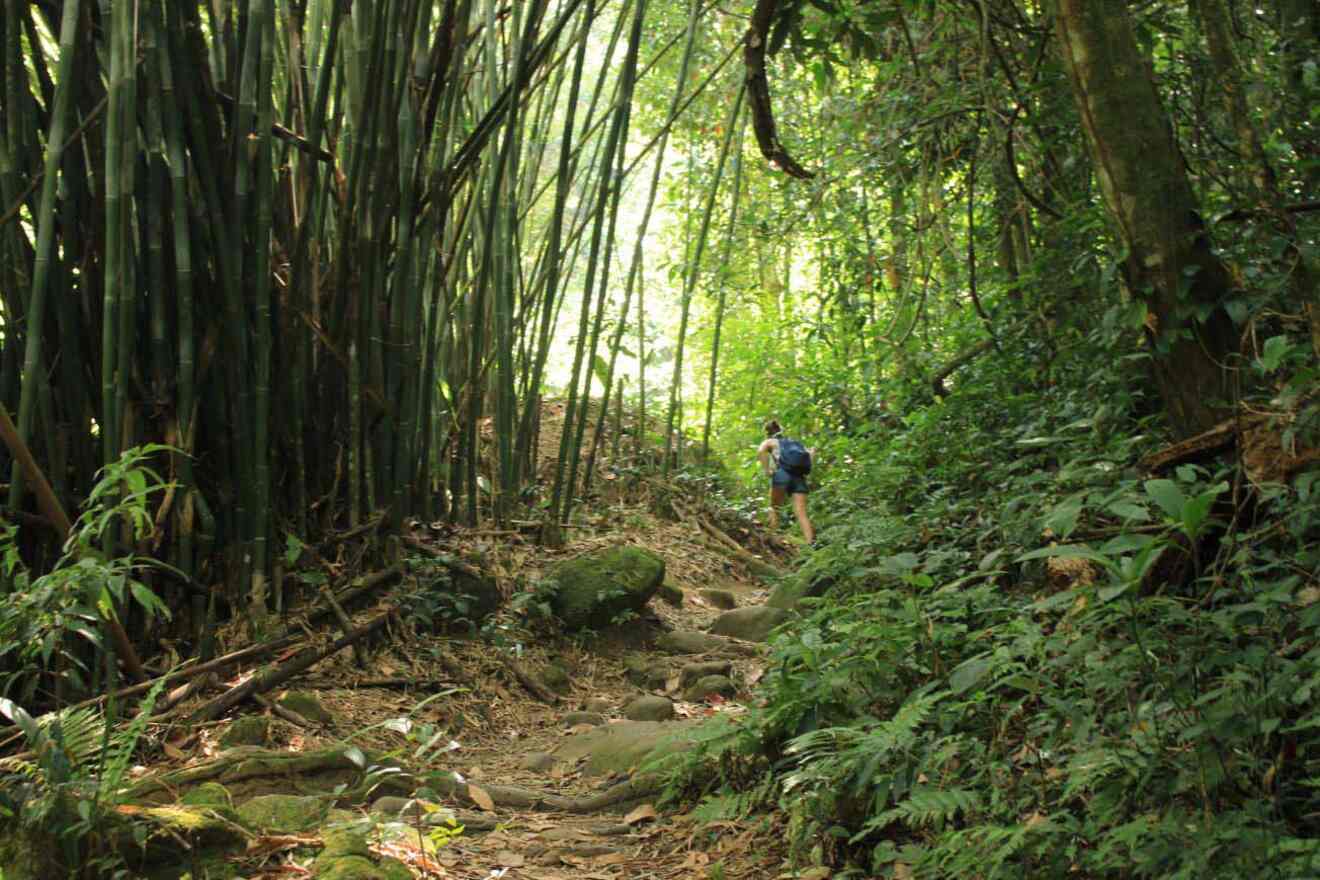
763,456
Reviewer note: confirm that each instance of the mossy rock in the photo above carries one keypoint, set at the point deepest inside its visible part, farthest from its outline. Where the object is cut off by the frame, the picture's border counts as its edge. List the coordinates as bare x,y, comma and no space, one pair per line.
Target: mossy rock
307,705
283,813
641,670
343,842
347,868
208,794
597,588
751,624
346,856
177,833
649,708
250,730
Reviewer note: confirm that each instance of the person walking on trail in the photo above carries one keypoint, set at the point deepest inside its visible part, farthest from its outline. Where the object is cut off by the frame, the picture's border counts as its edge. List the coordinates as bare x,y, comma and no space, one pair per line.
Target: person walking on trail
786,462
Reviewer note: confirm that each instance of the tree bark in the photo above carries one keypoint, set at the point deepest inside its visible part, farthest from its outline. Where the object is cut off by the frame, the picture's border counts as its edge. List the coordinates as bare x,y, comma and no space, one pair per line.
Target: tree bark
1169,263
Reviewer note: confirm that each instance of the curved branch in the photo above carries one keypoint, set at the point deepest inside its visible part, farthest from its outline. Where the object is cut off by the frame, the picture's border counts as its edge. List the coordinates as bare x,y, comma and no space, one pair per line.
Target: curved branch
758,90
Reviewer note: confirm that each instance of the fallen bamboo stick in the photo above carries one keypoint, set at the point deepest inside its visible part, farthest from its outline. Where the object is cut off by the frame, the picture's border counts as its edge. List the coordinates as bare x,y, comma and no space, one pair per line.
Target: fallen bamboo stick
274,676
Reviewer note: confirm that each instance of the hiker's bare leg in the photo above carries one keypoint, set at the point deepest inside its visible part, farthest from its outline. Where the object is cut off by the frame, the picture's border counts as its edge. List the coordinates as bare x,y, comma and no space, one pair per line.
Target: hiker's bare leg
800,508
777,499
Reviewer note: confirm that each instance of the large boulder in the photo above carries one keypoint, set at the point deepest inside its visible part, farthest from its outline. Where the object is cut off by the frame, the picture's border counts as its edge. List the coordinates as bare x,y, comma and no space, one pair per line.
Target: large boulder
752,623
597,588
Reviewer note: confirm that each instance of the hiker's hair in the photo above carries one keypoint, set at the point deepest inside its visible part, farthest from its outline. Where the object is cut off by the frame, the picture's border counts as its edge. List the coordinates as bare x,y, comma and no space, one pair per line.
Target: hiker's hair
772,428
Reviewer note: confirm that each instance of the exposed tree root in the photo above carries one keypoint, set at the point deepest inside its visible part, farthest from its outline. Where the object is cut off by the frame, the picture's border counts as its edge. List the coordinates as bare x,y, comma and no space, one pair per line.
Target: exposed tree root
616,797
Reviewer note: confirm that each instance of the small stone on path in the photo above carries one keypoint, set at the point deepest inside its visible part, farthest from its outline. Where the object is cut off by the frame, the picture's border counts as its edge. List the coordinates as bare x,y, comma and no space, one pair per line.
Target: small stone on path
595,719
643,671
671,594
307,705
695,671
682,641
537,761
720,598
752,624
649,709
709,686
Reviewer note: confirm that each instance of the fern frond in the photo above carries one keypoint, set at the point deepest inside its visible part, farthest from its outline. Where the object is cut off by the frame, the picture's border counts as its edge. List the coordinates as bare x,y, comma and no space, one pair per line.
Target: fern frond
77,731
122,743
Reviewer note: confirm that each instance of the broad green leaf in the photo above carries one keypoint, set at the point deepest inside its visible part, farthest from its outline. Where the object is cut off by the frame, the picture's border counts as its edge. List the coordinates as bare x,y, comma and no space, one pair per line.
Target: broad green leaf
354,754
1275,350
1197,509
1128,510
968,674
601,368
1063,518
293,548
1126,544
1168,496
1104,594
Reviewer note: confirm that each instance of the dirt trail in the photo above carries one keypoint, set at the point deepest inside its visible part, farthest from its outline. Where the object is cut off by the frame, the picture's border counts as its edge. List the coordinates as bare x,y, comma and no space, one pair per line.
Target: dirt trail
521,732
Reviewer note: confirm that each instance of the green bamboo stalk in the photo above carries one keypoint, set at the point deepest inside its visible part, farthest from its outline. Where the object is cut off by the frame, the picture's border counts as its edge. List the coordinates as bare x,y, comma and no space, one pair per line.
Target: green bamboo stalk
116,251
724,288
552,274
46,222
694,271
262,22
628,81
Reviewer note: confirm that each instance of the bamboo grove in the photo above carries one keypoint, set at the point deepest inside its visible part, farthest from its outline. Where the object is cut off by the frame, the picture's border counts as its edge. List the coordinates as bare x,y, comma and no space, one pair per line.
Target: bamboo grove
319,249
331,251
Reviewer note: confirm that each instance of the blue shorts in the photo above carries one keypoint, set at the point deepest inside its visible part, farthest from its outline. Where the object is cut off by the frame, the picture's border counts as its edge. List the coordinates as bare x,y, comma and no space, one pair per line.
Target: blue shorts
790,483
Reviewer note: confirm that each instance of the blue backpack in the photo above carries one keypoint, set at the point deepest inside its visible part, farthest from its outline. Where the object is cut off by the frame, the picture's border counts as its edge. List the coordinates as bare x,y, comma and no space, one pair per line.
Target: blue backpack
794,458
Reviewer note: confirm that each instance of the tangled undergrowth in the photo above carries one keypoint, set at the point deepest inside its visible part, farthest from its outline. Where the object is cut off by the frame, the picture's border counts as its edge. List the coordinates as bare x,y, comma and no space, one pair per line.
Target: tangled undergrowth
1036,658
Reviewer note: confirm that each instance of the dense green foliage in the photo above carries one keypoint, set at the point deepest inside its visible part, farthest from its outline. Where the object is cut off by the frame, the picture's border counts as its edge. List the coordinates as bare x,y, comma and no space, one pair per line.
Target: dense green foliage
1037,654
951,706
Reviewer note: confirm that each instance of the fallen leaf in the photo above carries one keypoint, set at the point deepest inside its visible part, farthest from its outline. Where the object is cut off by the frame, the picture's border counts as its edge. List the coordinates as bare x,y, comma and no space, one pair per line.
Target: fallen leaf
581,728
174,752
481,798
819,873
644,813
510,859
696,860
902,871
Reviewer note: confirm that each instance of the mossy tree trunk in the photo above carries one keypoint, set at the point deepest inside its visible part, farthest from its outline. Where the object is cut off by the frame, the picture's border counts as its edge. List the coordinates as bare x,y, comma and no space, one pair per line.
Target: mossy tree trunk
1169,262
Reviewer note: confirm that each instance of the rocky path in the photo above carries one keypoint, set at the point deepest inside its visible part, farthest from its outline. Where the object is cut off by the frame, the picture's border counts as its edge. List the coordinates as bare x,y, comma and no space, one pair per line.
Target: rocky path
512,758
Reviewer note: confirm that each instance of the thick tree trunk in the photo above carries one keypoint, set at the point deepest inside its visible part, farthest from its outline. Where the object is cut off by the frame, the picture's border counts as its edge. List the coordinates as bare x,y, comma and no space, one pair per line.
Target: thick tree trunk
1169,263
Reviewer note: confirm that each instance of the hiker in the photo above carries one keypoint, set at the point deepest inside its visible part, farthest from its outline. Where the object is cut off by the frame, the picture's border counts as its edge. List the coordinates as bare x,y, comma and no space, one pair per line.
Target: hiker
786,462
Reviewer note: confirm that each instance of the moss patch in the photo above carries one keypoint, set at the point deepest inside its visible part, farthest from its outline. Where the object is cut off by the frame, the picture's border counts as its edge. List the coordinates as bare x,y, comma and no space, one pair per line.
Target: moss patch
285,813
